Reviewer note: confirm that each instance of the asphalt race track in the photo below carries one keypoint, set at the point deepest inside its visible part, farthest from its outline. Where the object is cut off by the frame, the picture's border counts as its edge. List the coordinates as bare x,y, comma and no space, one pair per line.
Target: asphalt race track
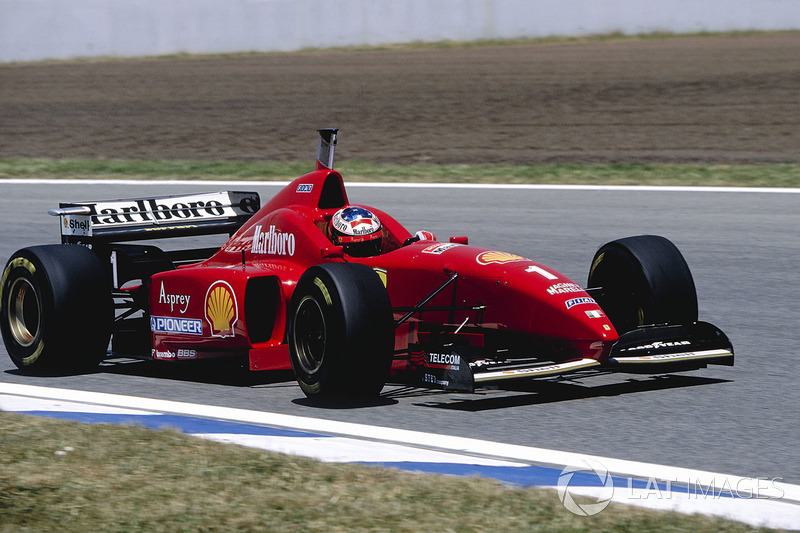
743,251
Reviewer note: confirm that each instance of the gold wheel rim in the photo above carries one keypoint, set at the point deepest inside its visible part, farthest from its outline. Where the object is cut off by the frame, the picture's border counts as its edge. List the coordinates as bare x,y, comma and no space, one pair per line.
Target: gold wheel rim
24,312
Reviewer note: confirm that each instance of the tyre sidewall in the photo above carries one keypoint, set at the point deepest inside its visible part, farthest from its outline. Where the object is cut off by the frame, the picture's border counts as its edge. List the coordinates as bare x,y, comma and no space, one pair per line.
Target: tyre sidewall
645,280
672,292
316,283
75,306
26,266
359,329
625,294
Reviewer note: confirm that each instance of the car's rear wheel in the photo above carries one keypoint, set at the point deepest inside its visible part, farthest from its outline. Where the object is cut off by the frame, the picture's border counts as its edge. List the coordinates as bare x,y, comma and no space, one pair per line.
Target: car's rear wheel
340,332
57,310
643,280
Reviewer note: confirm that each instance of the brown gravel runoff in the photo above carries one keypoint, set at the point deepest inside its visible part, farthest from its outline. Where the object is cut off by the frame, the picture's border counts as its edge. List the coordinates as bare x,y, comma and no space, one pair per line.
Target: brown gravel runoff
729,99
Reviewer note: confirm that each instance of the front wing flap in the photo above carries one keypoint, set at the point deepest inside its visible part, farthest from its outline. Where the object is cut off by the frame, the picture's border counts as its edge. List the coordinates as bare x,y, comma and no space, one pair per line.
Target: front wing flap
672,347
648,349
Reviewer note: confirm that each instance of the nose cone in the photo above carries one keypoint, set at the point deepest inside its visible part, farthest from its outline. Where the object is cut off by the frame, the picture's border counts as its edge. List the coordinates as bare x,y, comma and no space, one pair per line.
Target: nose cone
560,311
522,296
530,297
557,307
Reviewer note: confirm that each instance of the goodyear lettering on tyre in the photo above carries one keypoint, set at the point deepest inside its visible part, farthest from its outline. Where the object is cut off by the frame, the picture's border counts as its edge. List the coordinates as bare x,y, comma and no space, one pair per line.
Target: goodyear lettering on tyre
596,262
324,290
25,263
12,264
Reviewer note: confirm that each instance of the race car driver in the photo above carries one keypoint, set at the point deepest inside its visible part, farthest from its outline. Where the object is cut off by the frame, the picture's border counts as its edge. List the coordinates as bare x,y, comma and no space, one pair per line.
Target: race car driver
358,230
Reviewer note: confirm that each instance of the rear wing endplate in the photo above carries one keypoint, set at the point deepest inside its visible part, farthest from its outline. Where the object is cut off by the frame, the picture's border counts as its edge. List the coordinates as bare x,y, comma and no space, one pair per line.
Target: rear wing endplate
155,218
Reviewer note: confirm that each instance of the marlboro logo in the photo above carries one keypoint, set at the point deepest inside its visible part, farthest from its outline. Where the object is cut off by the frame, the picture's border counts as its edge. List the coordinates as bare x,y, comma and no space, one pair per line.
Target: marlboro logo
170,210
273,241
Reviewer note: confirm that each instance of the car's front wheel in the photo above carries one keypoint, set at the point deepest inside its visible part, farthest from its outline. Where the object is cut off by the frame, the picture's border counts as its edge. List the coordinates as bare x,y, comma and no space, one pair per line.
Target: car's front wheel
643,280
340,332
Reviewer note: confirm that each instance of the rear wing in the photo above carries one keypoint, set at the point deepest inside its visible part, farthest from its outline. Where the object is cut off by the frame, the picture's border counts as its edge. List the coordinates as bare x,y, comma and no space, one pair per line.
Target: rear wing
155,218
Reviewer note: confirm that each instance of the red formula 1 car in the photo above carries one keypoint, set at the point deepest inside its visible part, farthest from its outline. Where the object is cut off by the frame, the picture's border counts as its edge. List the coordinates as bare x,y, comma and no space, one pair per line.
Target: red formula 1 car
343,295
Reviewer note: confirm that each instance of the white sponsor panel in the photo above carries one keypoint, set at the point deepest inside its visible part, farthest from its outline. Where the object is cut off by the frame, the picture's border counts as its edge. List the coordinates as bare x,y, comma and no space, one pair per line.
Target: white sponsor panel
183,326
168,210
579,301
76,225
438,249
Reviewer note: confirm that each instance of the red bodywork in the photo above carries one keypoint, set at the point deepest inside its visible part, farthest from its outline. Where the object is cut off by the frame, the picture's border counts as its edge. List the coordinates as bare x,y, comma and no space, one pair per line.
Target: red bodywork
235,302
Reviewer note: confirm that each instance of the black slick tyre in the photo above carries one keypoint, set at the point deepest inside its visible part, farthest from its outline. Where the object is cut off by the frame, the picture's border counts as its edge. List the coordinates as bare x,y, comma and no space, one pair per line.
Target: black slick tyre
57,310
643,280
340,332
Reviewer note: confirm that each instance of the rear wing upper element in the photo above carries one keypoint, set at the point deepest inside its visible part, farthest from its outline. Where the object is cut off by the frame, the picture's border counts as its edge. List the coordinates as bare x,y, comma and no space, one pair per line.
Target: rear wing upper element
155,218
327,148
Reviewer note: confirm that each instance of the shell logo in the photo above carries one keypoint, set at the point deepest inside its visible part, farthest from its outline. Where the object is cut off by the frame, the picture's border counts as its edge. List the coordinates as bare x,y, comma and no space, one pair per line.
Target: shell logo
484,258
222,312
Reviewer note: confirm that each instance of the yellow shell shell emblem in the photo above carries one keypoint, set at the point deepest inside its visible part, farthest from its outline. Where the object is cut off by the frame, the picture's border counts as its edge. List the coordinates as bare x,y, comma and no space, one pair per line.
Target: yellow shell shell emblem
485,258
221,309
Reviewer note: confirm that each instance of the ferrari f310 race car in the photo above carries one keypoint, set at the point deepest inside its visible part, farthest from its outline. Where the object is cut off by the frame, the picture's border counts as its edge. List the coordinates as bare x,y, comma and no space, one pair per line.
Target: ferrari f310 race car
343,295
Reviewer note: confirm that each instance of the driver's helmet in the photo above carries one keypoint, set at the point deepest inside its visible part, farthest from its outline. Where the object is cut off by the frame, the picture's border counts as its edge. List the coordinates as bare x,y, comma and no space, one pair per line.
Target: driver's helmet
358,230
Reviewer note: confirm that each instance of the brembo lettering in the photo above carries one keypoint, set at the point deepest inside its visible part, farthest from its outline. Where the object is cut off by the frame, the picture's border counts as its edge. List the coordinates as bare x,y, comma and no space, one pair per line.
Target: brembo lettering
181,353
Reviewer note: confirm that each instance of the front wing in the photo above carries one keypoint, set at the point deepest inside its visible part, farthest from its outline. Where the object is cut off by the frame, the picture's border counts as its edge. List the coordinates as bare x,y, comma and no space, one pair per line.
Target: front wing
648,349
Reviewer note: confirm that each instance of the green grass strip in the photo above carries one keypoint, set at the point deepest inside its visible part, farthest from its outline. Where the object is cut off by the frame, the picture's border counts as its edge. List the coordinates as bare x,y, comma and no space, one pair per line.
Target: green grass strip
64,476
744,175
